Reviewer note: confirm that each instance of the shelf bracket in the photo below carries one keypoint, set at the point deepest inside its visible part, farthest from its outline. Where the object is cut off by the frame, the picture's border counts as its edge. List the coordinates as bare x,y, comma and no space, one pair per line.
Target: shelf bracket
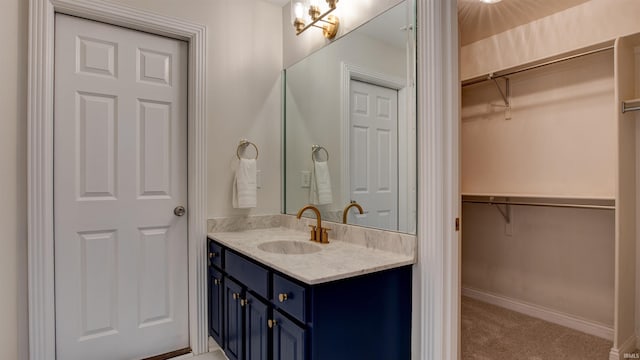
506,213
505,95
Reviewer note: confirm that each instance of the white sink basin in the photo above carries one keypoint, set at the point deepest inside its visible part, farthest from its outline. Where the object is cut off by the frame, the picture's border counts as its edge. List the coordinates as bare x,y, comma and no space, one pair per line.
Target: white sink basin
289,247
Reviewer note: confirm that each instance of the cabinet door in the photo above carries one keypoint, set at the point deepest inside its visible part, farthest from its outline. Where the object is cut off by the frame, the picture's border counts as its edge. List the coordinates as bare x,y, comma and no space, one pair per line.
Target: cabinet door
289,340
215,305
233,320
256,338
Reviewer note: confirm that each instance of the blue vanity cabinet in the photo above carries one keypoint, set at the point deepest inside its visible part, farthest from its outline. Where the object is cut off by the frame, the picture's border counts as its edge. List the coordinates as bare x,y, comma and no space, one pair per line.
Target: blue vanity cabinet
233,320
256,328
215,291
216,313
289,339
271,316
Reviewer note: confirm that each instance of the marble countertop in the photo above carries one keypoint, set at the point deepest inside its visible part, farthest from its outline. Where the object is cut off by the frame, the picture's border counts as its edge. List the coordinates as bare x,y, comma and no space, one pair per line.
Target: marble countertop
337,260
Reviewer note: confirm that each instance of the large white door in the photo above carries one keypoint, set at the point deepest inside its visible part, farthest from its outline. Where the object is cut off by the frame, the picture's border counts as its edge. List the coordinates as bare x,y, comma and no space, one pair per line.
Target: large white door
373,155
120,169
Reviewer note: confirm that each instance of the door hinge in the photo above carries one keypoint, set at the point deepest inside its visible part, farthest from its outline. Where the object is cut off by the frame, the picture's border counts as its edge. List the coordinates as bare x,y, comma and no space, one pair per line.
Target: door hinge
457,224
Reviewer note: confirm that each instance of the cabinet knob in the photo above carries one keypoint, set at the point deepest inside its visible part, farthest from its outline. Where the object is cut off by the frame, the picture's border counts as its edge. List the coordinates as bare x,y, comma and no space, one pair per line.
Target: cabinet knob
244,302
212,255
271,323
283,297
236,296
216,281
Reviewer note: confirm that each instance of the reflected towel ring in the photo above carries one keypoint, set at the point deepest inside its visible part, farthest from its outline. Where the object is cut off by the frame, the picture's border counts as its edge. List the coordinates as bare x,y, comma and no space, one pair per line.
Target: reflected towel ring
243,144
315,149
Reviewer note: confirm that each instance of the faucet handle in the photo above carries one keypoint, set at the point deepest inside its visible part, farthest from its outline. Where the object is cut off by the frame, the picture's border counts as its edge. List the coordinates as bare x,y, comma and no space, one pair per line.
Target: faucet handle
324,236
313,233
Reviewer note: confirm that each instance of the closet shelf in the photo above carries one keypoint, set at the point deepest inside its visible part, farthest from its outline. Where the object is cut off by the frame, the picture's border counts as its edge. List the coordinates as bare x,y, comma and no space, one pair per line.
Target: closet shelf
580,203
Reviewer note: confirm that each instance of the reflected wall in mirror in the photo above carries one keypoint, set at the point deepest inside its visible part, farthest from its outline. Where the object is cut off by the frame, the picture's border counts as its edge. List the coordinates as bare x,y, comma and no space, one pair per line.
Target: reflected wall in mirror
350,126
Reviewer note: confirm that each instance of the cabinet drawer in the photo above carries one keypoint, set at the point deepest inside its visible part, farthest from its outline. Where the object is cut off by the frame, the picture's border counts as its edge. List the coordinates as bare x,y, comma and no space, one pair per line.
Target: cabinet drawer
215,254
290,297
250,274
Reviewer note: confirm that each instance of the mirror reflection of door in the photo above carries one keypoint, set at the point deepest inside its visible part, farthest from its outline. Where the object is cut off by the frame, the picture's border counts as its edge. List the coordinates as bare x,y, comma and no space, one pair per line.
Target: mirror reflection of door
373,155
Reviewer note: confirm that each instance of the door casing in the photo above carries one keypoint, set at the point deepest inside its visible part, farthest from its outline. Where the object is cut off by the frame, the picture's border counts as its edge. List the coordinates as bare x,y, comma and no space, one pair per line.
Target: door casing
40,159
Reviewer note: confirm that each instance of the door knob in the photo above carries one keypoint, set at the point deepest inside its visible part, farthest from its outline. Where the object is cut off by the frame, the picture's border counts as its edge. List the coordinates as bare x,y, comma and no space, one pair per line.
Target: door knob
179,210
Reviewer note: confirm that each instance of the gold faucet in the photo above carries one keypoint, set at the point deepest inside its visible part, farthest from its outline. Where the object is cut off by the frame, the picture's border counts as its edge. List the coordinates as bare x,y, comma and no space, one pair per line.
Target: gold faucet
345,212
318,233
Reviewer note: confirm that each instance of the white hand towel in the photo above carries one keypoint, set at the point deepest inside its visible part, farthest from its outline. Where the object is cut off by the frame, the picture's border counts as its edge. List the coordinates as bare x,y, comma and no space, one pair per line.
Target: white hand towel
245,193
320,192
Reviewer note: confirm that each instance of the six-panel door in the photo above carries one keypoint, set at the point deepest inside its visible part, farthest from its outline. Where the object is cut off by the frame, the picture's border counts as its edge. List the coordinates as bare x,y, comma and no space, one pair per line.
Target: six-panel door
120,170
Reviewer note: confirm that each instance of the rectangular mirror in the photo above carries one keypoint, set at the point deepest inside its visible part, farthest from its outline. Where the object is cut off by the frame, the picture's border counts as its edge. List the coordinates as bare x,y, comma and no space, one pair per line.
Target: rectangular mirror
350,126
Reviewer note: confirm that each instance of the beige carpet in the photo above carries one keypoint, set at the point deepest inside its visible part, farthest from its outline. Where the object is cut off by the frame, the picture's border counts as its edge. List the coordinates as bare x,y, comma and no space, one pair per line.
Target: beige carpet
494,333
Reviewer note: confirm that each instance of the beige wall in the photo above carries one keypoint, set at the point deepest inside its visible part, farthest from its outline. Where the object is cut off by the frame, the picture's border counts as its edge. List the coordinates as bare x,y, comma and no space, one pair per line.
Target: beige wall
560,259
560,141
244,101
587,24
13,178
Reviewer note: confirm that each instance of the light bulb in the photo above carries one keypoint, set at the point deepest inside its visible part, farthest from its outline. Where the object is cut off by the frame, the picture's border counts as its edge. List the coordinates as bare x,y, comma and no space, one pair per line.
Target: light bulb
299,10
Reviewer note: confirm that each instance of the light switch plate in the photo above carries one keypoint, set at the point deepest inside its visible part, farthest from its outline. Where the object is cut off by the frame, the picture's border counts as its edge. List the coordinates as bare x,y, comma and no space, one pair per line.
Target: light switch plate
305,179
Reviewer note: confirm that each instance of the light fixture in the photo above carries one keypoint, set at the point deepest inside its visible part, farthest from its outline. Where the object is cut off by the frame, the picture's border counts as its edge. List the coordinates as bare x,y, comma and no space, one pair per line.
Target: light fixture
490,1
303,11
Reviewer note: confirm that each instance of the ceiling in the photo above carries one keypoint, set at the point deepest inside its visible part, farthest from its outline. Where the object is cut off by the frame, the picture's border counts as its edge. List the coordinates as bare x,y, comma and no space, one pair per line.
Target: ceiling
478,20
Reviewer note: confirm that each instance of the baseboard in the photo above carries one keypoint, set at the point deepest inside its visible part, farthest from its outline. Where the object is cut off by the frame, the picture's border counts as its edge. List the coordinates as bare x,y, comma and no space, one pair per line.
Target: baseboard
553,316
627,348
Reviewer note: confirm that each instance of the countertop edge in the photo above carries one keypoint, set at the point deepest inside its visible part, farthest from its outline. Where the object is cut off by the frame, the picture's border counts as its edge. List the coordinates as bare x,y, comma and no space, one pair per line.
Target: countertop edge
408,260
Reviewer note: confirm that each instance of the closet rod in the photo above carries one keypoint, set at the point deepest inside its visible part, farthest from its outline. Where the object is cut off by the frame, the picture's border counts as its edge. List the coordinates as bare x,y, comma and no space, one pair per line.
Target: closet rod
518,70
630,105
560,205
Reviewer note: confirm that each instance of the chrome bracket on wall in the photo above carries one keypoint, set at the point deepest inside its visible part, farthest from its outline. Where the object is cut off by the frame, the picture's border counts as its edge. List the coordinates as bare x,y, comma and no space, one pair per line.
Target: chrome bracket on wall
505,95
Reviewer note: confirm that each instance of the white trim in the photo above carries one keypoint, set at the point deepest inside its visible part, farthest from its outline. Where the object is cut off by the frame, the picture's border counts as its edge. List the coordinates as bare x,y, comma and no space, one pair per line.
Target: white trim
546,314
350,72
437,274
628,347
40,159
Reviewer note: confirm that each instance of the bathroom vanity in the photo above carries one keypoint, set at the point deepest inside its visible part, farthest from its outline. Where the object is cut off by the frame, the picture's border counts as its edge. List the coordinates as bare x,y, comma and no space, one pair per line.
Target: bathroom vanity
273,294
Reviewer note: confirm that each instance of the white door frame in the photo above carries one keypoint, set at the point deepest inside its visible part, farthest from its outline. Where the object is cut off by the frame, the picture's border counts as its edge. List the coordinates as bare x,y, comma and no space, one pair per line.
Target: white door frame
40,159
436,284
355,72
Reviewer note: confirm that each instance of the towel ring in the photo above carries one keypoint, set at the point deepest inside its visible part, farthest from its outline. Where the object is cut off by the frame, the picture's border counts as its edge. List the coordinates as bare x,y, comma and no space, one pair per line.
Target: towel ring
243,144
315,149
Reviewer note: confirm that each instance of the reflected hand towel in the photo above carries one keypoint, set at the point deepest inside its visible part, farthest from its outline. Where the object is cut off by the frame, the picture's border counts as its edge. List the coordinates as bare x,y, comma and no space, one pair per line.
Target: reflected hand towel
245,193
320,192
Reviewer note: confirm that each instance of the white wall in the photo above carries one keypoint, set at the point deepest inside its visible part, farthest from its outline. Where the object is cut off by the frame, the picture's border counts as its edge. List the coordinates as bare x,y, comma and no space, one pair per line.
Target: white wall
587,24
244,100
245,59
351,14
13,178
